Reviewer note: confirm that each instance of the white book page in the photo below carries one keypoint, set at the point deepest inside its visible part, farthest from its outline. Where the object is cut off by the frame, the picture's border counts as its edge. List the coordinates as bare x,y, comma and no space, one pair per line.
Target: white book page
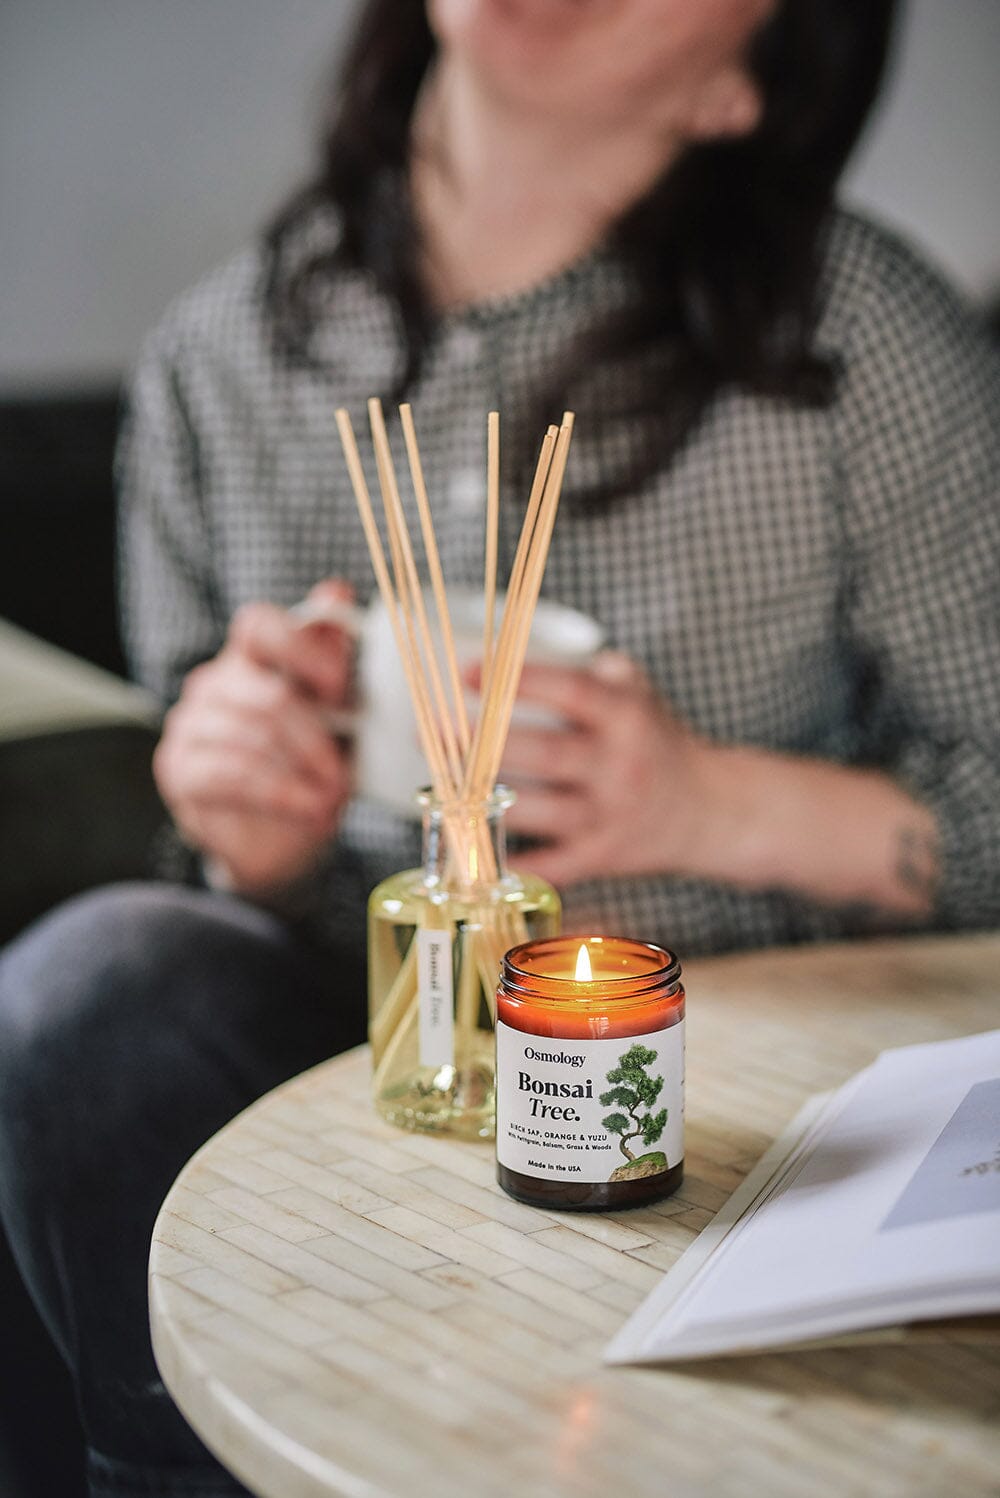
888,1210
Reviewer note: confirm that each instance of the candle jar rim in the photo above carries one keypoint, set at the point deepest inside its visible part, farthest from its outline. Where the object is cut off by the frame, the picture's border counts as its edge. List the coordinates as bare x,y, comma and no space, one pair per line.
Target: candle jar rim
523,981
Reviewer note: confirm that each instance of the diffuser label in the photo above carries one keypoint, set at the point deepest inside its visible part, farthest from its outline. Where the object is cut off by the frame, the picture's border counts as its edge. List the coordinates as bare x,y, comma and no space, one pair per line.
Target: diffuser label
435,989
590,1110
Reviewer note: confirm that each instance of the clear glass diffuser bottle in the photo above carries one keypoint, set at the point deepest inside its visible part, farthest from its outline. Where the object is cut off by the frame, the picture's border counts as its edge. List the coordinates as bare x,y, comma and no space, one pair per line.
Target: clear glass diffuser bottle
436,939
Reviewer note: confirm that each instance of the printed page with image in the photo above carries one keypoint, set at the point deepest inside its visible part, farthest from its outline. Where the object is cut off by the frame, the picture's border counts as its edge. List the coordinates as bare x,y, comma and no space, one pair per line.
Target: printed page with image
879,1206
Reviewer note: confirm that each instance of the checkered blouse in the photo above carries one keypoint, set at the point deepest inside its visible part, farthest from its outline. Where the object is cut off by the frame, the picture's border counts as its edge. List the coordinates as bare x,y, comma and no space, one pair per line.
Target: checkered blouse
821,582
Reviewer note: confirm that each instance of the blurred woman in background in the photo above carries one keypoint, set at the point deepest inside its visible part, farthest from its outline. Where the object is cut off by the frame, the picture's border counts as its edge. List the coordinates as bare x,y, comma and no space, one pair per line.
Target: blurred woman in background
781,506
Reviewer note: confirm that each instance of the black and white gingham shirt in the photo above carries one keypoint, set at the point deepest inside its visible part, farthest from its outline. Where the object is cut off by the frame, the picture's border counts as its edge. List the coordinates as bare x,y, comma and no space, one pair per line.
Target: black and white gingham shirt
821,582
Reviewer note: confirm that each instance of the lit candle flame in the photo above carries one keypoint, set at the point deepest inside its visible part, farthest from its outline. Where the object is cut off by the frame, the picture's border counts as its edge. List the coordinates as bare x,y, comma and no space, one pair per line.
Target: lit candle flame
584,972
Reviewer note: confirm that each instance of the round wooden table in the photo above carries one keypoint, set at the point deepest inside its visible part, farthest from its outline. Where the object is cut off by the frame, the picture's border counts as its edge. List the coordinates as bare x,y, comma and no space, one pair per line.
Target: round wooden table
341,1308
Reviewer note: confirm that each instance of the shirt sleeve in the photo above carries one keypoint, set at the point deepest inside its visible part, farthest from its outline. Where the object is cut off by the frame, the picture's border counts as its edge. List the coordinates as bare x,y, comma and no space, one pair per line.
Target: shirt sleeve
918,430
171,612
168,599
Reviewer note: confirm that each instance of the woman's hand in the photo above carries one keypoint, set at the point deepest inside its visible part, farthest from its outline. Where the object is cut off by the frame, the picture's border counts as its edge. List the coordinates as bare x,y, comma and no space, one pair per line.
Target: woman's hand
613,792
627,788
246,765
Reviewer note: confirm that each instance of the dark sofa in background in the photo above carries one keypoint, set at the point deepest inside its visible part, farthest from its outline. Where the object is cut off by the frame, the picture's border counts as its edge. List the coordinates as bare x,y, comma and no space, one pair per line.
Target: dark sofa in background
57,509
77,804
77,801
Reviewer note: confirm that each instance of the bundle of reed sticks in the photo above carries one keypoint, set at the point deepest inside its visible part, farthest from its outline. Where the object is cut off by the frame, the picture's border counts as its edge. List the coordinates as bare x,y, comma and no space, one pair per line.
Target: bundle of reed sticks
464,763
464,759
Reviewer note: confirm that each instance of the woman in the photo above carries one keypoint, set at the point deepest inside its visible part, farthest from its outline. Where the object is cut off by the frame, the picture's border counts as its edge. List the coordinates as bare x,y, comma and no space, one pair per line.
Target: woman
774,609
781,507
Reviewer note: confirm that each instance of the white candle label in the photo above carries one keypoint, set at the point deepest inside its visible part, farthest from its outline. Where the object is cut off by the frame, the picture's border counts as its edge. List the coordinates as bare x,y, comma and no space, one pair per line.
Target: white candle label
590,1110
436,998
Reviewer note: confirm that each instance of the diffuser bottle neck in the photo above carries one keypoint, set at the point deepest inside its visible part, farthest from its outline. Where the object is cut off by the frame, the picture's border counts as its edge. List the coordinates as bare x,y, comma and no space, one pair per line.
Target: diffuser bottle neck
465,844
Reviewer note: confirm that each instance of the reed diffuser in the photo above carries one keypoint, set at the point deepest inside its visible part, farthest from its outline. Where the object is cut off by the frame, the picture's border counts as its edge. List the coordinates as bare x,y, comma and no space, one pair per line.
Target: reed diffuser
437,935
436,942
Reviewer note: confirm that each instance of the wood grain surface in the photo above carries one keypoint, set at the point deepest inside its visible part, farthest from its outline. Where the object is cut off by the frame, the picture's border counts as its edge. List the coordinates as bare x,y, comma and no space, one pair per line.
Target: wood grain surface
342,1308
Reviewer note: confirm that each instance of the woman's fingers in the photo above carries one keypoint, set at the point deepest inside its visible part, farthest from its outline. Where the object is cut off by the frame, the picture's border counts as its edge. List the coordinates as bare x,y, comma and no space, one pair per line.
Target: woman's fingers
586,698
213,775
226,728
316,660
551,755
245,763
569,694
543,812
565,863
603,707
227,746
613,785
234,698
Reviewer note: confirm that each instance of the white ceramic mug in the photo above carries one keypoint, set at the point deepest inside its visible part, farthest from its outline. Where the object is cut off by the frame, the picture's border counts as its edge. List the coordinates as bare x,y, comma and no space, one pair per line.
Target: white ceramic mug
390,765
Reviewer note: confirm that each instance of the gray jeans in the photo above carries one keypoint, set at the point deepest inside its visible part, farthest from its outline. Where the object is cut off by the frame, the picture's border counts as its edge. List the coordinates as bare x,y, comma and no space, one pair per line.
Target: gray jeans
134,1022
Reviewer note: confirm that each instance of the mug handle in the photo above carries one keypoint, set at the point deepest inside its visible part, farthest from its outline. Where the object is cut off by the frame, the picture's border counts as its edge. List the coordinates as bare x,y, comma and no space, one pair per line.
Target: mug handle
342,722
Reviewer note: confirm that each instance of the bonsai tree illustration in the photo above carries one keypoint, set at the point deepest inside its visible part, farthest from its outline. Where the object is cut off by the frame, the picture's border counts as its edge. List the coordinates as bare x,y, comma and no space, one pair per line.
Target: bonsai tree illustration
635,1092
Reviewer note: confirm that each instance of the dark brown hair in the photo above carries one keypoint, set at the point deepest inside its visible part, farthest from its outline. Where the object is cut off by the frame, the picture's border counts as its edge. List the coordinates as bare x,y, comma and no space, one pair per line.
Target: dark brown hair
727,246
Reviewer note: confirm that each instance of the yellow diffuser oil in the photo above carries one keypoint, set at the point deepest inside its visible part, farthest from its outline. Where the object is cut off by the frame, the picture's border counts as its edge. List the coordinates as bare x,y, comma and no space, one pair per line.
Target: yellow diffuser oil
436,940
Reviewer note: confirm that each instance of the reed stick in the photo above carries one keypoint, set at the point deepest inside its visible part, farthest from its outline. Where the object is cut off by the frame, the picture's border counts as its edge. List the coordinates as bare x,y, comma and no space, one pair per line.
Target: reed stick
418,692
506,693
408,581
492,537
474,773
398,1000
467,998
403,1031
436,575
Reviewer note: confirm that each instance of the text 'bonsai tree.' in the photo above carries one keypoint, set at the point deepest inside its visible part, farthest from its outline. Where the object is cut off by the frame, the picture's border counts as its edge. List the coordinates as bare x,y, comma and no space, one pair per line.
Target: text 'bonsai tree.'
634,1090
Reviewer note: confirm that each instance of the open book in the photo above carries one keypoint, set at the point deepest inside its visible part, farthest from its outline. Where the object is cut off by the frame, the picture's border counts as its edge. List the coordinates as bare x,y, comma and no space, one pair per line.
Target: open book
880,1205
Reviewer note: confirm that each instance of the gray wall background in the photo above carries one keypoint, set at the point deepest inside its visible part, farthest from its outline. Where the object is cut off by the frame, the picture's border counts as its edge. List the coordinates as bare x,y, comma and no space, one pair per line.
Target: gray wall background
142,140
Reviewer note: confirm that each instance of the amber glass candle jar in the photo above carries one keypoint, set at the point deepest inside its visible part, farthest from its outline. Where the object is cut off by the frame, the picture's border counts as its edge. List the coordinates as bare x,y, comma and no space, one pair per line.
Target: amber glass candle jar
590,1073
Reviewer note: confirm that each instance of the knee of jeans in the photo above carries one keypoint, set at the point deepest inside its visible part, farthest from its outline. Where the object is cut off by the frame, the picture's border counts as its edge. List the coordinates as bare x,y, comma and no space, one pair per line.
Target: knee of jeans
70,977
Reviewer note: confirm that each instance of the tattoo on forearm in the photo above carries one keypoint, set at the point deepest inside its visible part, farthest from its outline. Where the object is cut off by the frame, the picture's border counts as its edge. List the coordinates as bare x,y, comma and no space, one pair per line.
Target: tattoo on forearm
918,864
